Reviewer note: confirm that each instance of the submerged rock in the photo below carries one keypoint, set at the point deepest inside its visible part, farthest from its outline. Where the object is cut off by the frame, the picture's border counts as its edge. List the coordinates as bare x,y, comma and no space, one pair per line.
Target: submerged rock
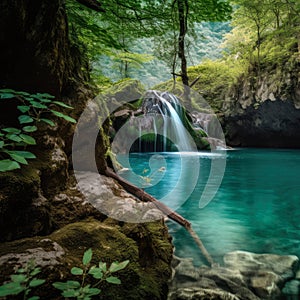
245,276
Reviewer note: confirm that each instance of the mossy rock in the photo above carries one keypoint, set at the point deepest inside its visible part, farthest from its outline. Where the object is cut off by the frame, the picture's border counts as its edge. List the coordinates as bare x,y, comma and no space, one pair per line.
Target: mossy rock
146,246
129,90
23,211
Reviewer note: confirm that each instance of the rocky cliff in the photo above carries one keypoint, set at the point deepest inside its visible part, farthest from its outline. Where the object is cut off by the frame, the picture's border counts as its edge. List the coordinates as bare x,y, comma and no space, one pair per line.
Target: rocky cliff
264,110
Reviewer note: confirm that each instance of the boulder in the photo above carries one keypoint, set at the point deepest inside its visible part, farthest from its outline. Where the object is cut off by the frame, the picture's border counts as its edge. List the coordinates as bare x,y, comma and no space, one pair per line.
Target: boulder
146,246
246,276
265,273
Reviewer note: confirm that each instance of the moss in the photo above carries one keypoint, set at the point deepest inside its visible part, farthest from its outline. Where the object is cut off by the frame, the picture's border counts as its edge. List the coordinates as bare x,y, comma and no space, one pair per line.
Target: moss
129,90
110,241
145,245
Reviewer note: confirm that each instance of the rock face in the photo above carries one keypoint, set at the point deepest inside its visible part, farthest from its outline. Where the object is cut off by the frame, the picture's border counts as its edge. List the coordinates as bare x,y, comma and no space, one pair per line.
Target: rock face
245,276
146,246
264,112
270,124
81,226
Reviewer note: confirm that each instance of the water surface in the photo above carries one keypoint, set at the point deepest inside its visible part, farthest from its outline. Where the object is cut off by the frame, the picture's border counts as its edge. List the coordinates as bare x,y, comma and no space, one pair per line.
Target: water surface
256,208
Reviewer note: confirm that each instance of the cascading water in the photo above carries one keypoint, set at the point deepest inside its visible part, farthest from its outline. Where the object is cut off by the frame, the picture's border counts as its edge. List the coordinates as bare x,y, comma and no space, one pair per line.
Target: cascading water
167,107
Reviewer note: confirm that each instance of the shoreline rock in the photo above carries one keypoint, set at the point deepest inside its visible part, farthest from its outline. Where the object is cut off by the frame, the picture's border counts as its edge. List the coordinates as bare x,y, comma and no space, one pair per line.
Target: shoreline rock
245,276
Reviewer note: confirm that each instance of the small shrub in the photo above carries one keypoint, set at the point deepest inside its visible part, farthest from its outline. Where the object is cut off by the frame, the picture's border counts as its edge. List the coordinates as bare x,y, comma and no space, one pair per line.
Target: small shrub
81,290
22,282
34,109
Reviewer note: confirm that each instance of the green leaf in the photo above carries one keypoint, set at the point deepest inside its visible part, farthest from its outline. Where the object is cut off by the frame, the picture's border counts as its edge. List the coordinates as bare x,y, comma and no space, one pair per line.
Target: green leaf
76,271
30,128
102,266
1,144
70,284
28,139
38,104
25,154
35,271
6,95
11,288
62,104
12,130
87,257
41,98
113,280
25,119
50,122
96,272
36,282
13,137
8,165
94,291
23,108
34,298
115,266
21,270
45,95
18,278
21,93
7,91
71,293
61,115
18,158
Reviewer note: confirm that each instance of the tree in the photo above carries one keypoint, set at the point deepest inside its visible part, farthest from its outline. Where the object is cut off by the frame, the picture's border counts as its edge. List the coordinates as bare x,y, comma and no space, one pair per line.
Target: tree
187,14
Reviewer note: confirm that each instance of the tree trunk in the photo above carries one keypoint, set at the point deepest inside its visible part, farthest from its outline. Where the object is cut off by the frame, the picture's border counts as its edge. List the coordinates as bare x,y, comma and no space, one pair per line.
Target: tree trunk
182,6
35,52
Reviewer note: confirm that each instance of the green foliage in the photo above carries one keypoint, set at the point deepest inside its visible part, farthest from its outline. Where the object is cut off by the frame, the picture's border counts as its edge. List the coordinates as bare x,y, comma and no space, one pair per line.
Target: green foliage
216,76
265,33
22,282
100,273
34,109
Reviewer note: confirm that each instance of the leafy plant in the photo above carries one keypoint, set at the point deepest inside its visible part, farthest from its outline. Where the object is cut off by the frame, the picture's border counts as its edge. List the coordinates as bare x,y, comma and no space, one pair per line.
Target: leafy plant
81,290
34,109
22,282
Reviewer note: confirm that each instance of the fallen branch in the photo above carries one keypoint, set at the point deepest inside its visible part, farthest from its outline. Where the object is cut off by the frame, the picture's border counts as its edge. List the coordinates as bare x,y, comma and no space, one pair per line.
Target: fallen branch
143,196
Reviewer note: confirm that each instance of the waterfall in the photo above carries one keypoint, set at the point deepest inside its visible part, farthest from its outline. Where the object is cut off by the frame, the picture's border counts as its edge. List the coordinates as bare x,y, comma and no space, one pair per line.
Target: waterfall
168,107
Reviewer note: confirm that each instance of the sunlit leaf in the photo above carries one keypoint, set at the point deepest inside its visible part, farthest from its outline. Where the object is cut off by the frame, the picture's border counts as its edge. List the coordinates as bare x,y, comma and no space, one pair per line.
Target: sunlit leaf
13,137
25,154
62,104
115,266
38,104
113,280
6,95
70,284
61,115
18,158
12,130
36,282
76,271
87,257
30,128
23,108
8,165
47,121
28,139
25,119
11,288
18,277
